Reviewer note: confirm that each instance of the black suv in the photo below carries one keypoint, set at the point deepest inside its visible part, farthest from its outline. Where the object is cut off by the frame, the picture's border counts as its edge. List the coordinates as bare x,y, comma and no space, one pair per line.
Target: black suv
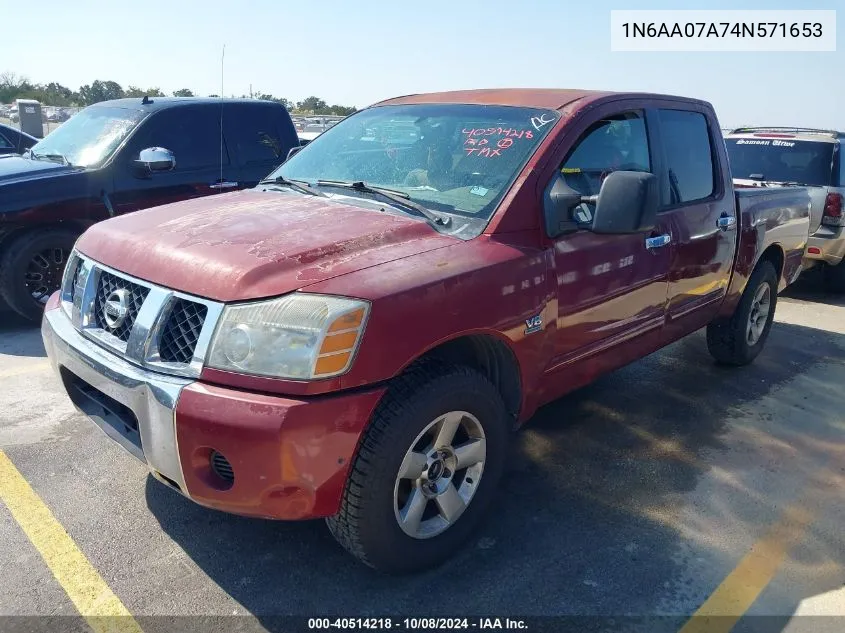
120,156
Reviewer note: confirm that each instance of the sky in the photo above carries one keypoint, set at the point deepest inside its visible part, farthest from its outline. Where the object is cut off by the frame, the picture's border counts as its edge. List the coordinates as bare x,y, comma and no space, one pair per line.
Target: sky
356,53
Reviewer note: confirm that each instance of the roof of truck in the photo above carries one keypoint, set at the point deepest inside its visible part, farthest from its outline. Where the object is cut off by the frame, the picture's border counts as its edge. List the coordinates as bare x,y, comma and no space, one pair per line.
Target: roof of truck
799,133
549,98
160,103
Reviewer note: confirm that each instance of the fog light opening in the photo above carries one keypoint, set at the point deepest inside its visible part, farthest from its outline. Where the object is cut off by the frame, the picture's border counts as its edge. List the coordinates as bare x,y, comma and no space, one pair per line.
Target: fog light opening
221,467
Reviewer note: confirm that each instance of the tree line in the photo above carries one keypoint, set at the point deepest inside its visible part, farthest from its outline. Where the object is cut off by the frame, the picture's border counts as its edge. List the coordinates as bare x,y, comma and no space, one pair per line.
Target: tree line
13,86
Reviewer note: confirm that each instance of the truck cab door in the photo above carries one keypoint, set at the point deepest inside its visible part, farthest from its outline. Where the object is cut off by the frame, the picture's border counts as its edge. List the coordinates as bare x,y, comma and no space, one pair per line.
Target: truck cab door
611,289
699,206
192,134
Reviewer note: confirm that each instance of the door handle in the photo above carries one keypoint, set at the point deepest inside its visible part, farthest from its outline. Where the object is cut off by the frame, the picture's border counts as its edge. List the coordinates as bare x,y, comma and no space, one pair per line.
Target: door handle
223,184
726,222
658,241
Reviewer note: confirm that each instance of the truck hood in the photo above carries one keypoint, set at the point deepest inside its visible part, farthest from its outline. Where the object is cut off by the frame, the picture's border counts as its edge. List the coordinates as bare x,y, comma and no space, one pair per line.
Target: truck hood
31,184
253,244
16,168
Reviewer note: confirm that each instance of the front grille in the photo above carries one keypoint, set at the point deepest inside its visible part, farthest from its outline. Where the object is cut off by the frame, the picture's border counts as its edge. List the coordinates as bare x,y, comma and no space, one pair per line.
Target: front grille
167,329
221,467
181,331
135,296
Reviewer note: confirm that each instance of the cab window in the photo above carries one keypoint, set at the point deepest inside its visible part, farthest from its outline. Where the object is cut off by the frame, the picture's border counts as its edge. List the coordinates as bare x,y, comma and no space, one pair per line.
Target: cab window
689,157
615,143
191,133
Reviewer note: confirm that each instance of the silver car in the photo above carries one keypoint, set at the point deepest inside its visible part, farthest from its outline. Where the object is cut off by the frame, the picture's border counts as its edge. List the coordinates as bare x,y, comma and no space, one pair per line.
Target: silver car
780,156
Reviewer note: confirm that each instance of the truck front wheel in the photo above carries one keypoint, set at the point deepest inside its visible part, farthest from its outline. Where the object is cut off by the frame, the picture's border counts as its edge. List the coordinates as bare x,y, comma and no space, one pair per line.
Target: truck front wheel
31,270
738,340
426,469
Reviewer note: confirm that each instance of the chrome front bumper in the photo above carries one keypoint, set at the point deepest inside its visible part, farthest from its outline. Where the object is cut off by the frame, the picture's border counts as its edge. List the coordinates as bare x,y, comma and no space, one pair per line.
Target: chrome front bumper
90,372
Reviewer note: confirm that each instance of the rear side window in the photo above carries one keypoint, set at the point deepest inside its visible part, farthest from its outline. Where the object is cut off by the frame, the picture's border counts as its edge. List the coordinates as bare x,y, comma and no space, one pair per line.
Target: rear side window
5,143
257,137
781,160
191,133
689,156
615,143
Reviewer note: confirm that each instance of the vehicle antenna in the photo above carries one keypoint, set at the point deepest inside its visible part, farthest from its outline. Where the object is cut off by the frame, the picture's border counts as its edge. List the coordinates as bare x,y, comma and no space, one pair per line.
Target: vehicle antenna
222,60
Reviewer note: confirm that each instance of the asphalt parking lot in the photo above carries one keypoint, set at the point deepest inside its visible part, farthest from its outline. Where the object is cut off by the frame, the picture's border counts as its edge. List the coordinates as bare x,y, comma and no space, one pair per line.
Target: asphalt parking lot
669,488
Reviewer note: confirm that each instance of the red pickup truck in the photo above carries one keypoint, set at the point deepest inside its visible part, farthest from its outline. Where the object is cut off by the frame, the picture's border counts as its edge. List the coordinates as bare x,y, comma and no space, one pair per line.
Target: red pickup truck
357,337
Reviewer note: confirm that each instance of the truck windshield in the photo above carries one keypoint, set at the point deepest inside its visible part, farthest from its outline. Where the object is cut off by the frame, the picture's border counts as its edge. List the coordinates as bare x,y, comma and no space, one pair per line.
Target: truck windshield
89,138
457,159
781,160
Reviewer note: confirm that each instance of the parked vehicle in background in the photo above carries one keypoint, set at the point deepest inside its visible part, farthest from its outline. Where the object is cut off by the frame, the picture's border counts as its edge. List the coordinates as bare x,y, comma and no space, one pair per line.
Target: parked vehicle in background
307,137
57,115
121,156
13,141
771,157
357,338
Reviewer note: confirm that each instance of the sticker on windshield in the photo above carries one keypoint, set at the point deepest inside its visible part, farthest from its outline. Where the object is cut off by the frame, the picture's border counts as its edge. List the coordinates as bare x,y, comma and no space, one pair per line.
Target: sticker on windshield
479,191
744,141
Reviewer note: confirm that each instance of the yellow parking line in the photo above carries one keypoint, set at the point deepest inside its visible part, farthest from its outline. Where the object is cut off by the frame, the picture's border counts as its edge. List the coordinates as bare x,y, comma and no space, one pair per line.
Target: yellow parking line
89,593
738,591
26,369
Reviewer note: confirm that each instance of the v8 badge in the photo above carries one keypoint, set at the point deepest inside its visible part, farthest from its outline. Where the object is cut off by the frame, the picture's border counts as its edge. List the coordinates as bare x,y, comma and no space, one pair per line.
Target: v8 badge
534,324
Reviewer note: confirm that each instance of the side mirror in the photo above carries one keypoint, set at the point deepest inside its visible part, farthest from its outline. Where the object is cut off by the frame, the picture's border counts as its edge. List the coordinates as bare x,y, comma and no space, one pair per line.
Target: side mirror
155,159
627,203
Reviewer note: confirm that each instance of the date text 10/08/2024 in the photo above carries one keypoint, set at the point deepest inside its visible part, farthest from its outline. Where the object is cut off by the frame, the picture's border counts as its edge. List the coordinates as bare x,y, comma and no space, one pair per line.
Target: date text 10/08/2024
416,624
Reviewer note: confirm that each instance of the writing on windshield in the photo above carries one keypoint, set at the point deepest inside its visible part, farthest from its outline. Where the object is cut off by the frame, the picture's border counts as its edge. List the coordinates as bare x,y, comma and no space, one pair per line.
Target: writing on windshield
476,143
457,158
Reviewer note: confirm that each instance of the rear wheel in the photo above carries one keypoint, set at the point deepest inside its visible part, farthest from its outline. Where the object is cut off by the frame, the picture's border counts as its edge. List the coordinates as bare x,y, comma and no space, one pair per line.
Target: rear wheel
427,468
834,278
31,270
738,340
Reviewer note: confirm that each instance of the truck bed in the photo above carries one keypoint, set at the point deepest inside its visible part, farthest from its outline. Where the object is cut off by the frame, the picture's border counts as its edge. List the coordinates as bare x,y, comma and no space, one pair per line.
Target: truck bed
774,216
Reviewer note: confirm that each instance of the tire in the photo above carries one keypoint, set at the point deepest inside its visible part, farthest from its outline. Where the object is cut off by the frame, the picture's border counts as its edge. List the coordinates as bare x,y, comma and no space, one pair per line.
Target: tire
729,340
368,524
19,260
834,278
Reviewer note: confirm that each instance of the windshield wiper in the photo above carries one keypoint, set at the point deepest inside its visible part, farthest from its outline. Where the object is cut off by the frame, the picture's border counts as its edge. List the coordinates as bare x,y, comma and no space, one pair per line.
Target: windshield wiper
399,198
50,156
297,185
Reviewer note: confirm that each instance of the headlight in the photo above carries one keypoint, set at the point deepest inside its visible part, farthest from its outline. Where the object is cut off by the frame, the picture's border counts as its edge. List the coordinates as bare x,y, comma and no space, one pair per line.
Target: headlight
299,336
73,284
